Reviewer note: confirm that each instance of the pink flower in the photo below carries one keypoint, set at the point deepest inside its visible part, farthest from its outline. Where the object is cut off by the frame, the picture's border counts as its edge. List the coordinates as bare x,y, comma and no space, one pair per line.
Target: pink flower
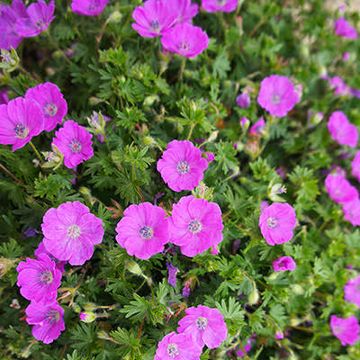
182,166
52,103
39,17
185,40
355,166
40,250
219,5
346,56
352,291
48,321
74,142
284,263
279,335
172,271
195,225
245,349
206,326
277,223
179,346
154,18
71,231
278,95
38,279
258,128
9,14
341,130
209,156
339,85
88,7
344,29
339,188
184,10
351,211
143,231
243,100
20,120
345,329
4,99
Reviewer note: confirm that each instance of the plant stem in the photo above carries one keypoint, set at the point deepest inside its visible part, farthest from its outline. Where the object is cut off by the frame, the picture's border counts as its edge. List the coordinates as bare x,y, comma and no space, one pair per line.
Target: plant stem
36,151
8,172
192,127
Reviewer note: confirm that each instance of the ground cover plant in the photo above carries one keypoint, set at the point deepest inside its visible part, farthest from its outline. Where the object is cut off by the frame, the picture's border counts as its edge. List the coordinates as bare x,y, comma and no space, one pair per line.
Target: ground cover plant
179,180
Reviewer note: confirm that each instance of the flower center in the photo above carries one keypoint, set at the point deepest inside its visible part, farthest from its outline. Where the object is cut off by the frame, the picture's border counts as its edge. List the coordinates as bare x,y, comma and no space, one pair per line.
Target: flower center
184,46
75,146
146,232
50,109
195,226
201,323
73,231
172,350
53,316
39,24
46,277
155,26
272,222
21,131
183,167
221,2
275,99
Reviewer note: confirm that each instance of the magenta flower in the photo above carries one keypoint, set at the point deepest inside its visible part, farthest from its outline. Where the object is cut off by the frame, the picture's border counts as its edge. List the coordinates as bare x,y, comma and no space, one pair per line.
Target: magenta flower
278,95
88,7
154,18
177,346
9,14
195,225
39,17
74,142
219,5
38,279
245,349
52,103
185,40
4,98
143,231
258,128
351,211
352,291
243,100
172,271
339,188
279,335
344,29
339,86
20,121
184,10
209,156
40,250
345,329
48,321
355,166
277,223
206,326
341,130
71,231
182,166
284,263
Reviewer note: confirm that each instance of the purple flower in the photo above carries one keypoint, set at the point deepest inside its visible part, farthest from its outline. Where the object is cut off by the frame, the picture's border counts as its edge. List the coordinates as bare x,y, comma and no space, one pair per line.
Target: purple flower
258,128
277,223
195,225
243,100
185,40
206,326
355,166
172,271
39,279
179,346
182,166
48,321
279,335
4,99
30,232
352,291
246,348
244,123
209,156
21,119
184,10
143,231
219,5
351,211
355,92
74,142
71,231
52,103
39,17
40,250
339,188
154,18
88,7
9,14
278,95
344,29
284,263
341,130
186,291
339,86
345,329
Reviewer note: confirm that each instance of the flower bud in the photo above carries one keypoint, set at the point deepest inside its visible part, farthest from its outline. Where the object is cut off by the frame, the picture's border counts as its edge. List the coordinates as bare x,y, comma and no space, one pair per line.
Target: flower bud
9,60
87,317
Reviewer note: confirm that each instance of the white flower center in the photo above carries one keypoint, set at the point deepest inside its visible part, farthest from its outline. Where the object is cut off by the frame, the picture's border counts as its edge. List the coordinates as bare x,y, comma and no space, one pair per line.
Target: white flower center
184,46
155,26
146,232
272,222
50,109
173,350
195,226
201,323
21,131
46,277
275,99
75,146
73,231
53,316
183,167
